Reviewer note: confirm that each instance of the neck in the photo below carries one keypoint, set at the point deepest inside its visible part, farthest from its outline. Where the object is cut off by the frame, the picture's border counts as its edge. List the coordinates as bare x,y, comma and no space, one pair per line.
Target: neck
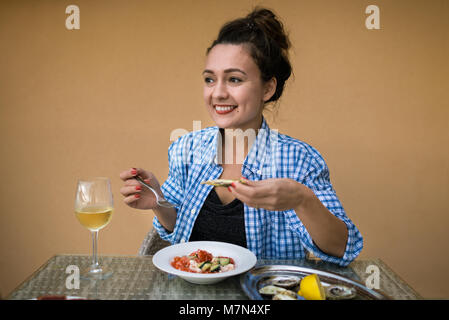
236,143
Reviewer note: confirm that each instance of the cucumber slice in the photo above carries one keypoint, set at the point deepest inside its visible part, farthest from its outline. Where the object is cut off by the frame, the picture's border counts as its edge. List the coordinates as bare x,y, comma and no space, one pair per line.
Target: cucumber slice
205,266
215,268
224,261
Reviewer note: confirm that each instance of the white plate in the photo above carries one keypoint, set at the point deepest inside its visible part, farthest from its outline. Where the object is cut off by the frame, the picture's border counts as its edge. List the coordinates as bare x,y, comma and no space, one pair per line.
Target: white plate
243,258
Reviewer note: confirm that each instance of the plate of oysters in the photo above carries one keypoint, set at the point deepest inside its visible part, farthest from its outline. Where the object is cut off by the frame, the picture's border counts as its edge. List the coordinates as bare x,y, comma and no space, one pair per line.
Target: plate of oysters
289,282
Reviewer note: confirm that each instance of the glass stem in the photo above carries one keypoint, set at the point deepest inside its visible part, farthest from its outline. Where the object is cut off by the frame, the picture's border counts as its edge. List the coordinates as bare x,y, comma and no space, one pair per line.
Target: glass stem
94,250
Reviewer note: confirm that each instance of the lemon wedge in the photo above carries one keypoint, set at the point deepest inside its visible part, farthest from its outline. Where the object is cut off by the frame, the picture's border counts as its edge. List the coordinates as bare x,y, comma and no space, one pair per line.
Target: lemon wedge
311,289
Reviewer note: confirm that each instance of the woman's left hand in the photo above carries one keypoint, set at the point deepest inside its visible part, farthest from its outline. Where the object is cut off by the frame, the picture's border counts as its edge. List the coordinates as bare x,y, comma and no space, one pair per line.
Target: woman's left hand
276,194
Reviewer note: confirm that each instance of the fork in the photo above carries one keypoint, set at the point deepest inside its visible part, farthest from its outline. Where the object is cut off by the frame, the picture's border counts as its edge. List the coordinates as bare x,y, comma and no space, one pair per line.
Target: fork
159,199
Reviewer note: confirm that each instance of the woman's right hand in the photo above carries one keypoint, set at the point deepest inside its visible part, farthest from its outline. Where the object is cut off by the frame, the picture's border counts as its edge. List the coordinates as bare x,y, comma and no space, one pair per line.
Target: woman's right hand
136,195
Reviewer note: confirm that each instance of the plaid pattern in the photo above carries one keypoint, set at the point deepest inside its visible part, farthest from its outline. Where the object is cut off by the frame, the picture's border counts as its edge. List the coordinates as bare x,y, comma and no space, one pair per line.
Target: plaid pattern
269,234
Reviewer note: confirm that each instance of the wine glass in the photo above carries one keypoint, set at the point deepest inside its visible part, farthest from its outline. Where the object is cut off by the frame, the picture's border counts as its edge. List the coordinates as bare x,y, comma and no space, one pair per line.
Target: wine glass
93,209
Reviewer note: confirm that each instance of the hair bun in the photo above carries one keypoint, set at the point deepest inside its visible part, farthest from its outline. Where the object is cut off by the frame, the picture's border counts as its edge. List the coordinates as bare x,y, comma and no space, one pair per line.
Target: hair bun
267,21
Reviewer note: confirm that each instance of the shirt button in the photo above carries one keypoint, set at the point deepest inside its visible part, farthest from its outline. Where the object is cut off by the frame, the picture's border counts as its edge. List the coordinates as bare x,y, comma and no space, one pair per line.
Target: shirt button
259,171
192,211
183,240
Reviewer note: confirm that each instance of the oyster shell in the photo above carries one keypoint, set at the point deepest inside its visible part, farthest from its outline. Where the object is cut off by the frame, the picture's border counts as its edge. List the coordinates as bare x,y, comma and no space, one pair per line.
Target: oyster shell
285,281
282,293
288,293
271,290
340,292
283,296
222,182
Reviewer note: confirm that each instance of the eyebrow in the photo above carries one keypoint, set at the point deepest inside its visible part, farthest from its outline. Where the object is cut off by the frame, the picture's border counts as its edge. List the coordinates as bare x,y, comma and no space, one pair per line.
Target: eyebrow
226,71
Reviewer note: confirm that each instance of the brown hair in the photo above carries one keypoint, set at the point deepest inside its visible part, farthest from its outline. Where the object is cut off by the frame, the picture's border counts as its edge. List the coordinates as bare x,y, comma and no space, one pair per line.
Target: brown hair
268,44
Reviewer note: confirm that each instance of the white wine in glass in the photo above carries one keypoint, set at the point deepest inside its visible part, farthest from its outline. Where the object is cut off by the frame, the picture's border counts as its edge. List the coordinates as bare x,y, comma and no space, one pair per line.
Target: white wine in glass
93,209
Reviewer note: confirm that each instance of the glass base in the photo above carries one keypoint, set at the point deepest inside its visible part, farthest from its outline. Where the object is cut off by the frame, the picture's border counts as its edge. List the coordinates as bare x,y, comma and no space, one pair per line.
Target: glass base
96,273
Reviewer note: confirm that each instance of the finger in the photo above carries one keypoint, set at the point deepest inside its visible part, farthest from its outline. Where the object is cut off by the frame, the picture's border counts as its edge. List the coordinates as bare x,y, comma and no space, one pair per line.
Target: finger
128,190
131,182
253,193
134,182
130,199
142,173
245,181
132,172
250,200
264,187
250,189
252,183
128,174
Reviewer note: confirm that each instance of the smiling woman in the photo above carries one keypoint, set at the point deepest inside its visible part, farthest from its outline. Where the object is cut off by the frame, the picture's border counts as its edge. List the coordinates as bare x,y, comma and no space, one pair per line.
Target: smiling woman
286,205
106,97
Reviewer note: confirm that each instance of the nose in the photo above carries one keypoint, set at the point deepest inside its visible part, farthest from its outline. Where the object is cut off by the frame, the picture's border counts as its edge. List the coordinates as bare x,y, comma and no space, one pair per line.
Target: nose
220,91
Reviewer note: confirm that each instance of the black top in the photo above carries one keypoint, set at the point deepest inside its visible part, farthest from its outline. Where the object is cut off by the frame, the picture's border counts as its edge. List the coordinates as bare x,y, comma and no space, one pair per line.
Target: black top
218,222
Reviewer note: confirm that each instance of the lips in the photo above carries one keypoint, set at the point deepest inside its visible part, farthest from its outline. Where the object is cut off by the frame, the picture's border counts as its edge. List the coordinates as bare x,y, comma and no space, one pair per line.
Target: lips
224,109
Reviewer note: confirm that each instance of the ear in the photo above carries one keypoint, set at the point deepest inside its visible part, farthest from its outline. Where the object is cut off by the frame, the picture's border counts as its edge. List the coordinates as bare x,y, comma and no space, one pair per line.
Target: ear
270,89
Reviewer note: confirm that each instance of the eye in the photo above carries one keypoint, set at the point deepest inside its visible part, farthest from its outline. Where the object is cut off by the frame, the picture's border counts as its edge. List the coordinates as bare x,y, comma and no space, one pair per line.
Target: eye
235,80
208,80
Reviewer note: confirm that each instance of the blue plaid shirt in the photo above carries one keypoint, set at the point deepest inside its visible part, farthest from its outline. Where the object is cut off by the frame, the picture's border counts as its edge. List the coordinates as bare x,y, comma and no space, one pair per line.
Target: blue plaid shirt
269,234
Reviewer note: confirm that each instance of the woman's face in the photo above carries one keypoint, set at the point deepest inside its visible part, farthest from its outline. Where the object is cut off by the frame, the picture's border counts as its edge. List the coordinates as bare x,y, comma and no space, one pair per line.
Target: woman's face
234,92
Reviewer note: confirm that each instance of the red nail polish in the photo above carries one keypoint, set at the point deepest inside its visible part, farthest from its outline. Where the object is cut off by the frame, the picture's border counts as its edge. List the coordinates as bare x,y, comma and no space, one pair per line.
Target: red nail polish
233,184
137,196
133,172
138,188
229,189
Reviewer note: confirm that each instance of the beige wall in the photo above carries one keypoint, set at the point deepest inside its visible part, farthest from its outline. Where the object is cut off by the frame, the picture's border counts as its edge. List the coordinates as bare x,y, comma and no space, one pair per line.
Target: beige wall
101,99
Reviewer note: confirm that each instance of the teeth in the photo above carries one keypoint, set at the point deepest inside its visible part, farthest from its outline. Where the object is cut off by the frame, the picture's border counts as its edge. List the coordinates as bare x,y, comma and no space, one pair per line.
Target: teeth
220,108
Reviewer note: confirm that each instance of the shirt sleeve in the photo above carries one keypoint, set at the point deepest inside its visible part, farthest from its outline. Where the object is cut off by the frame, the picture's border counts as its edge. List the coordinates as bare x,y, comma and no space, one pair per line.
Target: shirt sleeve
173,187
317,179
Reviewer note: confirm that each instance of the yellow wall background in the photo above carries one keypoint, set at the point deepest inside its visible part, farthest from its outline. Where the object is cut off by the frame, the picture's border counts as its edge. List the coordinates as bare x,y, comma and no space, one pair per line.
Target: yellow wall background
105,98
